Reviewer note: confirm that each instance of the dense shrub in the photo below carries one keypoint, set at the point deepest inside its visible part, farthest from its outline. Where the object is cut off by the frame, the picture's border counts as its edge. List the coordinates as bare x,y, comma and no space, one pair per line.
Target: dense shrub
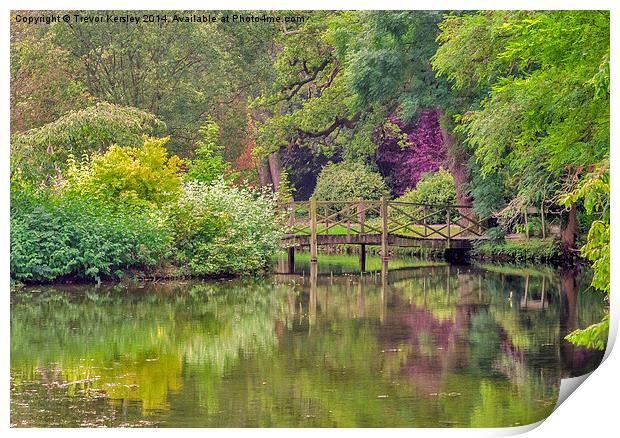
126,209
141,176
55,236
349,181
42,151
434,188
220,229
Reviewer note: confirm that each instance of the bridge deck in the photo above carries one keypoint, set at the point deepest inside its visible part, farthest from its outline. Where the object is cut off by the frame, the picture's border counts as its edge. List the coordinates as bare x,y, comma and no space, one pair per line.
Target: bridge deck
459,242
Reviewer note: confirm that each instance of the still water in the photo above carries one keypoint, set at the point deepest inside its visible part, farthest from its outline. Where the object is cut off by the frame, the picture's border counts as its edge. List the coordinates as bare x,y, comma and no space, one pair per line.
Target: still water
421,345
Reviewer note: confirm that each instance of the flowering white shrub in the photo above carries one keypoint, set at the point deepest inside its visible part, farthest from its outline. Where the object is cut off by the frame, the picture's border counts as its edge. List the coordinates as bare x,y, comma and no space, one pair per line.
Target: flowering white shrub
219,228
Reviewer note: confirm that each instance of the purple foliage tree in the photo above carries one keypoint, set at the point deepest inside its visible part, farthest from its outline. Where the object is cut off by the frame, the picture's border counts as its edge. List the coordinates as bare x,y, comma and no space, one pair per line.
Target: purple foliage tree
402,164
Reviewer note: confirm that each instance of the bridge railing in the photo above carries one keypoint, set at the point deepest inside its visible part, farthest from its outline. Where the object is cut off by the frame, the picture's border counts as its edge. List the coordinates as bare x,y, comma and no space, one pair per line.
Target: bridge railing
382,217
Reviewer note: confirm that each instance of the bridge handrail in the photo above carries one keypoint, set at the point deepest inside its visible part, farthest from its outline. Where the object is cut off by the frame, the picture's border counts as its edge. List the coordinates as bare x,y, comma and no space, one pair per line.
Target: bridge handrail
376,202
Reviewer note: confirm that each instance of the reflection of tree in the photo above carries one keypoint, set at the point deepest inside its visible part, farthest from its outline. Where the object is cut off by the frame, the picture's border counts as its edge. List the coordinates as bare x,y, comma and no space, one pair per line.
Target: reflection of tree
577,360
436,346
138,348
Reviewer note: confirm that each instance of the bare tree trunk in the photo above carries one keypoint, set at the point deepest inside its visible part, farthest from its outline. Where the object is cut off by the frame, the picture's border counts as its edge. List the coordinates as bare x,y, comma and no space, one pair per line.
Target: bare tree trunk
275,168
569,230
264,174
457,166
270,167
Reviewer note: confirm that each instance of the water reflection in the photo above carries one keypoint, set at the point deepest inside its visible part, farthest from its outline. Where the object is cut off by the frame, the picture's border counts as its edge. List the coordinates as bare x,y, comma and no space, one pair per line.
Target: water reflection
426,346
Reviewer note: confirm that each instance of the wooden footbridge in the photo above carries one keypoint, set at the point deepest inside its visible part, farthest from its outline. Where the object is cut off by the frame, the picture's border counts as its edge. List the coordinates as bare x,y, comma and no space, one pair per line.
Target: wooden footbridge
382,223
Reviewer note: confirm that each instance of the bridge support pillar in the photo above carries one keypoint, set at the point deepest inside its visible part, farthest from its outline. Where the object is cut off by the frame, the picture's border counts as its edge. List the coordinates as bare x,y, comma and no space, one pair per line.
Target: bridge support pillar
363,257
291,260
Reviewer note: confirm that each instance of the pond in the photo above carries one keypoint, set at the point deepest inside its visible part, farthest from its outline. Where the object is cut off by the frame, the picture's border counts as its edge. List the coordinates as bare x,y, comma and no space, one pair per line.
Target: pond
423,344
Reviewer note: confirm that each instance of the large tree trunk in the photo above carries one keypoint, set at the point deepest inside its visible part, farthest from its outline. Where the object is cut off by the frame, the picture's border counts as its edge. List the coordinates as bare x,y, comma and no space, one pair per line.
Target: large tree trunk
457,166
275,168
270,168
569,230
264,174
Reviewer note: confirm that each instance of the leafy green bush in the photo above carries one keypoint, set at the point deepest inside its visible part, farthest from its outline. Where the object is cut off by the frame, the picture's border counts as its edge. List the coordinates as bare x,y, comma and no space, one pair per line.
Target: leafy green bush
208,164
348,181
44,150
223,229
55,236
140,176
434,188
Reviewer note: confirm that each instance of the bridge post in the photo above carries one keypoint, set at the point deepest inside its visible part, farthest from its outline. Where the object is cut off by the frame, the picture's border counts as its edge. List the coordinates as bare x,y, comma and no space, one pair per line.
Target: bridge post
448,222
384,228
313,238
291,259
363,257
291,249
361,209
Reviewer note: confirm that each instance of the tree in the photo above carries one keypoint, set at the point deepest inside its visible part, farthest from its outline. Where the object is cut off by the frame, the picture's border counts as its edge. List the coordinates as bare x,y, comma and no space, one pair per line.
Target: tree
208,164
543,123
45,79
183,73
341,75
545,111
41,152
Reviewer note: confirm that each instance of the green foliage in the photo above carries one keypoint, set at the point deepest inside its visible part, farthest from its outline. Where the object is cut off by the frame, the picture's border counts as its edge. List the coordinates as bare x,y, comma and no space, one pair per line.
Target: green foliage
223,229
44,77
348,181
285,189
496,234
546,107
177,71
56,236
208,164
593,336
339,74
194,225
487,191
126,209
143,175
544,114
434,188
42,151
593,190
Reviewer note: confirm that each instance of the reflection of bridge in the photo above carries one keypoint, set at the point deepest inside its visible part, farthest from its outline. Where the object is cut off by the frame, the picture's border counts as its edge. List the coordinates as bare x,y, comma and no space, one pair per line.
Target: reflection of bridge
383,223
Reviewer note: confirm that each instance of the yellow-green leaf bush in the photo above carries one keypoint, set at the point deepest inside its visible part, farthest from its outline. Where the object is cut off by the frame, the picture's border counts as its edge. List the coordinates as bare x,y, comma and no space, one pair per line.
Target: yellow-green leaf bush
141,176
